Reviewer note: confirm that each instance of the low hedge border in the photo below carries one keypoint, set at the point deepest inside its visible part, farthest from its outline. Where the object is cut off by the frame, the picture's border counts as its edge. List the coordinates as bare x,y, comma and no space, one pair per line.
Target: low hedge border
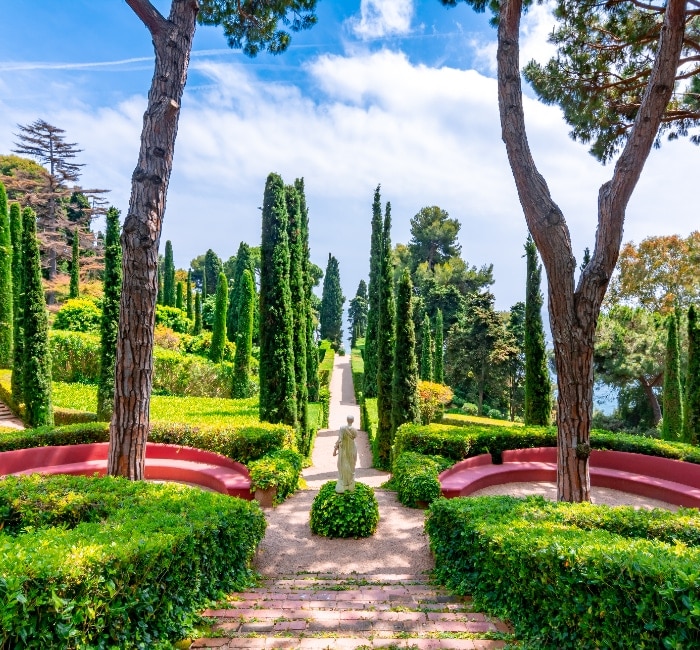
107,563
416,477
281,469
459,442
573,575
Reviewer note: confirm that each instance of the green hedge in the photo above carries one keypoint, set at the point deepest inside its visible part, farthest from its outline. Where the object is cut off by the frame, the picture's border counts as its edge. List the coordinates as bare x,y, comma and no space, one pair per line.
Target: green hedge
459,442
281,469
416,477
326,356
573,575
349,514
243,444
110,563
370,417
357,365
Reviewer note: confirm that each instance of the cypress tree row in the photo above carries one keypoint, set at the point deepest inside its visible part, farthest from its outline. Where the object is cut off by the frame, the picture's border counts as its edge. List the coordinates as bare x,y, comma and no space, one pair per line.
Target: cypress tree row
672,426
375,255
426,349
357,313
244,337
385,347
188,291
169,276
297,288
218,335
197,327
179,297
17,380
36,369
404,393
74,288
204,288
6,294
109,325
312,380
244,262
538,388
438,366
277,386
332,300
691,410
160,298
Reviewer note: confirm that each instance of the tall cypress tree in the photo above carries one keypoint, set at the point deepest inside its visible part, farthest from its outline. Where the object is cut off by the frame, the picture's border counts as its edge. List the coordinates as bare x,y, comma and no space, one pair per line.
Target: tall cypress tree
385,346
691,410
332,300
197,327
672,426
244,261
244,337
277,386
357,312
6,294
188,291
438,366
297,288
375,256
427,352
74,289
404,393
179,295
109,326
312,380
17,380
169,276
37,356
204,288
212,267
218,335
538,387
160,297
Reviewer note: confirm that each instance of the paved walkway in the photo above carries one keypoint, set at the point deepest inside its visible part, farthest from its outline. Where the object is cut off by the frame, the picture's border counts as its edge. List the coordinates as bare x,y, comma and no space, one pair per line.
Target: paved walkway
8,419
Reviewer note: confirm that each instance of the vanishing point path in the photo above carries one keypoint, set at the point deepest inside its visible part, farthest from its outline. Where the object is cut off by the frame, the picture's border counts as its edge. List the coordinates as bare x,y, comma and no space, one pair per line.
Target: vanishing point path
319,593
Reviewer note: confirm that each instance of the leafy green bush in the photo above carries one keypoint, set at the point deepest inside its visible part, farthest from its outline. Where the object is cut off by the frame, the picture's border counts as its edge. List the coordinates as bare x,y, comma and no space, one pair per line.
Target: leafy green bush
416,477
357,364
280,468
326,356
573,575
350,514
78,315
470,409
174,318
369,417
107,563
75,356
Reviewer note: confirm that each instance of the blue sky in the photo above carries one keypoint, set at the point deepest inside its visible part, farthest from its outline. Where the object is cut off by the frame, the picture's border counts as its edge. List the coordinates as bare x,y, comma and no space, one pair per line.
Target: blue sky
380,91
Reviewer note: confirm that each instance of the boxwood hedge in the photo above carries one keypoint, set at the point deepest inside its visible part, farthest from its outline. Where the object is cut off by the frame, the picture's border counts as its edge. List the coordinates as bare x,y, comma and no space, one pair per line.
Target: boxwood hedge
280,468
573,575
416,477
110,563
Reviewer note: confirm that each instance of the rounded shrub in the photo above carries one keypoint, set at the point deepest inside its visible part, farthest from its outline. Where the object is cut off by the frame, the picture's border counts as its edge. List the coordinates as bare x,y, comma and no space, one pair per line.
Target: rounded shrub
78,315
350,514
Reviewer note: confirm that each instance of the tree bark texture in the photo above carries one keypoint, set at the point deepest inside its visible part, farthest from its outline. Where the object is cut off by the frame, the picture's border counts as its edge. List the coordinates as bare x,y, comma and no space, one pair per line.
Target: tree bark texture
573,311
172,42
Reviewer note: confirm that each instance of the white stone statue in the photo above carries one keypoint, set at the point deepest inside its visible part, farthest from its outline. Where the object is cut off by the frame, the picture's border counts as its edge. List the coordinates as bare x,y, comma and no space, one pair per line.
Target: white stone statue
346,450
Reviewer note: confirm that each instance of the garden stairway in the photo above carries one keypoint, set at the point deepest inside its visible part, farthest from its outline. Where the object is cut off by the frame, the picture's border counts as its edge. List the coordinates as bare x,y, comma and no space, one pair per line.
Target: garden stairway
9,419
318,611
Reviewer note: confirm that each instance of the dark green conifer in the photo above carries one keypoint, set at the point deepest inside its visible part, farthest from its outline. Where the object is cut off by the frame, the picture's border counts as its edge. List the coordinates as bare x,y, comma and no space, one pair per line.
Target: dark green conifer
691,410
197,328
297,287
244,261
357,313
385,347
74,288
332,300
169,276
179,295
109,326
244,337
404,395
277,386
6,294
375,255
204,288
427,352
37,356
188,291
212,267
160,297
672,426
438,366
218,335
538,387
17,380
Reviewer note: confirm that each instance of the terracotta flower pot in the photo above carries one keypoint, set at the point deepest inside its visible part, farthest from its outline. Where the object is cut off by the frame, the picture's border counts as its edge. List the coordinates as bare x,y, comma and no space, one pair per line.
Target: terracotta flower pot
266,497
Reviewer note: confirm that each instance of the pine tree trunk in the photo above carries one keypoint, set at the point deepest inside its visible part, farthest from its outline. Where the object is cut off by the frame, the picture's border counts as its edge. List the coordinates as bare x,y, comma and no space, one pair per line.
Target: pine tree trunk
574,313
172,41
652,399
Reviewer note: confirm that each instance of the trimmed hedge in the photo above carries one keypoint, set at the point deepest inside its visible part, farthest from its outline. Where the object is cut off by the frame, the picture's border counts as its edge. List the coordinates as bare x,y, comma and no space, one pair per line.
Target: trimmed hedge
459,442
573,575
326,357
280,468
416,477
349,514
107,563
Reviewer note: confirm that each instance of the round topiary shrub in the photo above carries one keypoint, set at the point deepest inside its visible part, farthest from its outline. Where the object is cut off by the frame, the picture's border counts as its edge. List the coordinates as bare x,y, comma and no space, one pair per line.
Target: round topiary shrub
350,514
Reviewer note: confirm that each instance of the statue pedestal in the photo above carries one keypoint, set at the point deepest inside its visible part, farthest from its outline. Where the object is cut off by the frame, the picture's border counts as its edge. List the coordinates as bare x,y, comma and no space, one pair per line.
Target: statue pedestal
266,497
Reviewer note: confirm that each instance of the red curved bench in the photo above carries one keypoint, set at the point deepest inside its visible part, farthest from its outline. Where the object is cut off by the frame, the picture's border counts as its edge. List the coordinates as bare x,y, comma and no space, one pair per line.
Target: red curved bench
163,462
673,481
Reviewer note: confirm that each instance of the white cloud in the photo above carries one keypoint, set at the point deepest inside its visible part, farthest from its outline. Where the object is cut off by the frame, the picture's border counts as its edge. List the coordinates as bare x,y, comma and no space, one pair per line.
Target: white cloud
380,18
